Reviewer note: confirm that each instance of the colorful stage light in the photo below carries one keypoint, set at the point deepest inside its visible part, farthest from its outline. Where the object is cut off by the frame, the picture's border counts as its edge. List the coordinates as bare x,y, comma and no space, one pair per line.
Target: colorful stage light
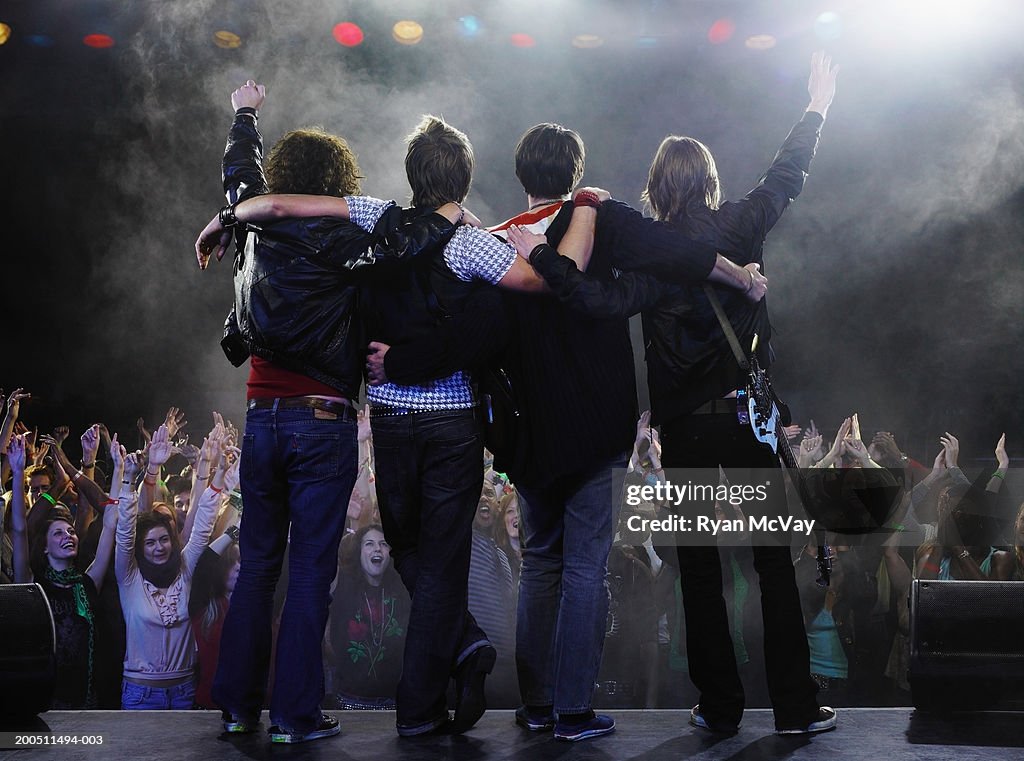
98,40
469,26
407,32
721,31
347,34
227,40
5,33
521,40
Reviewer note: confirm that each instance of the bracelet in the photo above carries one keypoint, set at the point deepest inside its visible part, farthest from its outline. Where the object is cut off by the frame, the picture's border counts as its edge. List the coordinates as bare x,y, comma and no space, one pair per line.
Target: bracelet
587,198
462,213
964,554
227,217
247,111
126,483
49,498
216,489
76,476
997,474
87,465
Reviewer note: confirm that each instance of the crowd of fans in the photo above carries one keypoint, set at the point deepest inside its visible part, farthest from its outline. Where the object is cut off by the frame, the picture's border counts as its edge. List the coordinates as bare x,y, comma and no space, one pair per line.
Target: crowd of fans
137,553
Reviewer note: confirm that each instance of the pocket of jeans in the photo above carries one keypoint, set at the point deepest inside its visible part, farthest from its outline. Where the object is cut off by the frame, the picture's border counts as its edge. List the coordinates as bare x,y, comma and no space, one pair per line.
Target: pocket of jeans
316,455
133,694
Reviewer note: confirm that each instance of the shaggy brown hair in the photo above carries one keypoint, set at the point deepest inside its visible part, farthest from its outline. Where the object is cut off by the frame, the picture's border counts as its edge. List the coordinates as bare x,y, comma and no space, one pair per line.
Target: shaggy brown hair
313,162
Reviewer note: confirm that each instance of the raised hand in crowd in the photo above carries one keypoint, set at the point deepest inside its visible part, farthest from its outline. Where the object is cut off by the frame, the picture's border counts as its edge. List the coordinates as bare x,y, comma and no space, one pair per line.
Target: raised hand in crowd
175,422
951,447
810,451
60,434
995,482
90,448
140,424
886,451
838,445
17,457
1002,459
792,431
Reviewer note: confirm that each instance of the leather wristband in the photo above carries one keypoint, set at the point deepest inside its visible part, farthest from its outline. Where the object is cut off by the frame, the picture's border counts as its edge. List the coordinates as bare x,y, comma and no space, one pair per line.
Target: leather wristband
227,216
587,198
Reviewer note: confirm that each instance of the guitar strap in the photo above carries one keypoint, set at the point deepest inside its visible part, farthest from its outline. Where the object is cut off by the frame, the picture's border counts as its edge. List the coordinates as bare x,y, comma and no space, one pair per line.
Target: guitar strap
824,561
730,334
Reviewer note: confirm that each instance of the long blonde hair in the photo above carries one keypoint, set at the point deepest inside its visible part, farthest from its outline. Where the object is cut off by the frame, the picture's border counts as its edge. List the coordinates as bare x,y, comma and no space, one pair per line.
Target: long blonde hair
683,171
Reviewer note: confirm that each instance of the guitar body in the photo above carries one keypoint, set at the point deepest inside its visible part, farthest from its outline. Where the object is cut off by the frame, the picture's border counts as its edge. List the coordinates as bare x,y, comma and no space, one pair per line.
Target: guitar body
767,417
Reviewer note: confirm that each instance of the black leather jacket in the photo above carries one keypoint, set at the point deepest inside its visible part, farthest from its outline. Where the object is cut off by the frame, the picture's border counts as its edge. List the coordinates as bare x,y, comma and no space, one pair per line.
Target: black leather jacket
688,358
295,280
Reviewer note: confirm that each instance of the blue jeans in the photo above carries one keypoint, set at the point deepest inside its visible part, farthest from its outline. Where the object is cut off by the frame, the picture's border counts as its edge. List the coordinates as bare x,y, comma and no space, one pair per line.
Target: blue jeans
180,697
429,477
566,532
297,472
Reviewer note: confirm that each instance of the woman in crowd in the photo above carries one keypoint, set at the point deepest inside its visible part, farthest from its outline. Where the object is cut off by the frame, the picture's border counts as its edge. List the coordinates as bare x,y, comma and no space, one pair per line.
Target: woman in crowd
506,533
154,575
369,617
73,595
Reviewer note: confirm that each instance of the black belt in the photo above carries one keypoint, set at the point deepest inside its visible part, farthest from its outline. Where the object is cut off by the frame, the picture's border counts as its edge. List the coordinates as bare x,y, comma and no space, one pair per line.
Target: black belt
383,410
716,407
342,409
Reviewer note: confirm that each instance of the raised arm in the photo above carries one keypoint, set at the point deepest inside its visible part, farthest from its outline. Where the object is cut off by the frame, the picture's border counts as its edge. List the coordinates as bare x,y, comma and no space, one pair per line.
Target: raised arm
225,478
19,524
125,567
97,570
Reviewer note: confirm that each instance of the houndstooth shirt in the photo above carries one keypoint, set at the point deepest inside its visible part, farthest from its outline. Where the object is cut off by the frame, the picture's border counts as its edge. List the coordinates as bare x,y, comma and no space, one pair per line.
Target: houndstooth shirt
471,254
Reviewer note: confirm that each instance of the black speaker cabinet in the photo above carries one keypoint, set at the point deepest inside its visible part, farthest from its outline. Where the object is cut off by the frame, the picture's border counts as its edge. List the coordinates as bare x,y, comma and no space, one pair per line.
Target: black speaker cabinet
967,645
27,642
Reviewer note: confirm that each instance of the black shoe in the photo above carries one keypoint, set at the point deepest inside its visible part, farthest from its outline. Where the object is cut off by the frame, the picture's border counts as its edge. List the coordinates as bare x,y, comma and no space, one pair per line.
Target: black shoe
697,719
238,726
822,721
595,726
328,727
533,721
470,701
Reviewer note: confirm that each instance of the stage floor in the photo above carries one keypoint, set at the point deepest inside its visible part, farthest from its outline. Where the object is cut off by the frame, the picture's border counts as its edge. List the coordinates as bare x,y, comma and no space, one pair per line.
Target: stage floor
893,734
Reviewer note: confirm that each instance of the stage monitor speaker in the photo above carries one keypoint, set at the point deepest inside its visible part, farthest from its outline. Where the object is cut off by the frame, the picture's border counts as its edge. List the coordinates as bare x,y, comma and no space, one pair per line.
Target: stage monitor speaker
967,645
27,651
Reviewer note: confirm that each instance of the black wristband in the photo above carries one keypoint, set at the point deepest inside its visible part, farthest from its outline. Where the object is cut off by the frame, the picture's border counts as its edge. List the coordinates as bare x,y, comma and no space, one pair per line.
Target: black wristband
536,252
247,111
227,216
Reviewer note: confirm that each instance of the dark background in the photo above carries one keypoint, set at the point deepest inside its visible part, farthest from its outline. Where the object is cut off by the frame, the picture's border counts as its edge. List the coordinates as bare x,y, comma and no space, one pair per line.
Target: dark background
896,279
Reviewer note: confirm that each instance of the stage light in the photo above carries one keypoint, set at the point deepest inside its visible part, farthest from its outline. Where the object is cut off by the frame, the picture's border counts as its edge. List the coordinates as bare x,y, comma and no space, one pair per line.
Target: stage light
407,32
760,42
5,33
721,31
646,41
469,26
40,40
227,40
587,41
98,40
828,26
521,40
347,34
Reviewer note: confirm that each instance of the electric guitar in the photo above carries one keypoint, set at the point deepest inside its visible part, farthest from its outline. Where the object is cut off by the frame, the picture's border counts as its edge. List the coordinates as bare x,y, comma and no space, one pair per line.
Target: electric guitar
767,415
